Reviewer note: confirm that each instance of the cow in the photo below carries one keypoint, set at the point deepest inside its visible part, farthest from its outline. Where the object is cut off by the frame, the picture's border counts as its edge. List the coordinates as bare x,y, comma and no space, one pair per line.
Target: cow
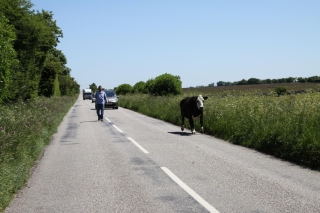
192,107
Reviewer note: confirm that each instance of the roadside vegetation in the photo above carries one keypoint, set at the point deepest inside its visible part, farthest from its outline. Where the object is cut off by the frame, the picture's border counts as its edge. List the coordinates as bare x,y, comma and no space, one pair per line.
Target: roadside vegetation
31,65
36,90
285,126
26,128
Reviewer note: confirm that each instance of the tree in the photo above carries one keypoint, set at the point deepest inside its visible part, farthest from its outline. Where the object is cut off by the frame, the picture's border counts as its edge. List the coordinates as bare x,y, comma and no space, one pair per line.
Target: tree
139,87
313,79
53,66
150,85
301,80
40,66
268,81
220,83
167,84
223,83
242,82
68,86
211,85
93,87
49,83
290,80
124,89
282,80
253,81
36,34
7,58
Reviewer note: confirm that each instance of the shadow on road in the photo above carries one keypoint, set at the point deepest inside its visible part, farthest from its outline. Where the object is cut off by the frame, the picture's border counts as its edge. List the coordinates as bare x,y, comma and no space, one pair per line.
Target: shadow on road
89,121
181,133
104,109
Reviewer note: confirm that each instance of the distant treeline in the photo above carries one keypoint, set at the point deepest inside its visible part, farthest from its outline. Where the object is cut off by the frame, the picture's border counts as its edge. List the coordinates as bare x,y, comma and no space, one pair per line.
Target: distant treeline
30,64
252,81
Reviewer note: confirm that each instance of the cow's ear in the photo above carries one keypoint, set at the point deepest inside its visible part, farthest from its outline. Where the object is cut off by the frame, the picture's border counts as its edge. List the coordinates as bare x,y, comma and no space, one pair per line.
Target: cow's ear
195,98
205,97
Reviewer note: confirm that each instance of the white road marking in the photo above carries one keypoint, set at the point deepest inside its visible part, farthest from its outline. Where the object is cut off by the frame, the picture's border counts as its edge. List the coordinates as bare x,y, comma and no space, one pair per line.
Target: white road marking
89,104
117,128
204,203
138,145
173,177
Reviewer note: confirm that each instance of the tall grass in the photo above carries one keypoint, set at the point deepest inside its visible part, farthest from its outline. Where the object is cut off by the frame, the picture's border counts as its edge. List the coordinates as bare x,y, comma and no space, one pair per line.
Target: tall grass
287,127
25,129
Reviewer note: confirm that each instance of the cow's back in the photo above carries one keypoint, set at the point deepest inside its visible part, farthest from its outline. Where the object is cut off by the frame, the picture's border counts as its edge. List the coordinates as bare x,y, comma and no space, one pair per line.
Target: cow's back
184,102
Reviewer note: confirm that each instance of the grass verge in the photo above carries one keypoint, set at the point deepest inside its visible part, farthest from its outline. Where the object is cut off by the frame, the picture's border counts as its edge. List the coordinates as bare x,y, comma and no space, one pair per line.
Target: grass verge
25,130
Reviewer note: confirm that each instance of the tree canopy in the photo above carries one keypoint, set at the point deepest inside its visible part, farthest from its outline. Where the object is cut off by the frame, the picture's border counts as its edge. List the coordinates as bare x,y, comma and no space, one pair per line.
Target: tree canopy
31,64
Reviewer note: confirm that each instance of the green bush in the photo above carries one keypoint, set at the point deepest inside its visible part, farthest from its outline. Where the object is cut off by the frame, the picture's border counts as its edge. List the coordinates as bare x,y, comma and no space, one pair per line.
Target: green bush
124,89
280,90
166,84
140,87
150,85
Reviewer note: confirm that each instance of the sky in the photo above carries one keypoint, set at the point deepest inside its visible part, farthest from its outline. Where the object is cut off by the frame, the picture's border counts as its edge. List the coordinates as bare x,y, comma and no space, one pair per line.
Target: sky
110,43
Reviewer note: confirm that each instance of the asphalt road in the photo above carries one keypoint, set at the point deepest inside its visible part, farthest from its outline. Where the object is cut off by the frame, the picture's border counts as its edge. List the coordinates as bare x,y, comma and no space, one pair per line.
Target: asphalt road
134,163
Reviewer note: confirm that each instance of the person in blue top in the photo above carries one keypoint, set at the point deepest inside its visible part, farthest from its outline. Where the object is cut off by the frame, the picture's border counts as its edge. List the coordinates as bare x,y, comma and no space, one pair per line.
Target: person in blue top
101,99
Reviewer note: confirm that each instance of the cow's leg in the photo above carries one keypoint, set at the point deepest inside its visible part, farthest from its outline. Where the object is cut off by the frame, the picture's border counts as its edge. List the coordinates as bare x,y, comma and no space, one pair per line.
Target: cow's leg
201,124
182,118
192,126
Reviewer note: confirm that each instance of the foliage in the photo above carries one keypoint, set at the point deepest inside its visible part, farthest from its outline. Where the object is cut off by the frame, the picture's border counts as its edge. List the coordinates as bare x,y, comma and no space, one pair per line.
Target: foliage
150,85
21,147
7,58
286,127
93,87
140,87
32,63
280,90
166,84
49,75
222,83
124,89
242,82
301,80
56,86
68,85
313,79
253,81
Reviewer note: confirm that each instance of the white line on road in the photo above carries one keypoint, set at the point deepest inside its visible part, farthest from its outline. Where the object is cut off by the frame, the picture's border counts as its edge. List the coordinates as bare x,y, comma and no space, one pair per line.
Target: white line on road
89,104
140,147
108,120
117,128
189,190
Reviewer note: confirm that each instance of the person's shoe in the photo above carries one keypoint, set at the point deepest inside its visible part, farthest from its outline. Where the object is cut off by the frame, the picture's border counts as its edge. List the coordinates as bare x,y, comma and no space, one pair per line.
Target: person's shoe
101,120
98,119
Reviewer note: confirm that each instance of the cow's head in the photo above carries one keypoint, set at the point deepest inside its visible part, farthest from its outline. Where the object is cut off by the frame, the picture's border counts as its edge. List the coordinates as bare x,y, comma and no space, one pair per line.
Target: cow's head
199,100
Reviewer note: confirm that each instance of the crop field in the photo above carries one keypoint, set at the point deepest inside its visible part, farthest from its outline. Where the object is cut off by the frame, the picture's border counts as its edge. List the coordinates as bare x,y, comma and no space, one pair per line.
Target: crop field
286,127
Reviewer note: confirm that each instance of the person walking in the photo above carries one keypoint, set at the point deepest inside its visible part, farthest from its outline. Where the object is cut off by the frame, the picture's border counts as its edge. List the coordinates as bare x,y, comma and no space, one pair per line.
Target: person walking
101,99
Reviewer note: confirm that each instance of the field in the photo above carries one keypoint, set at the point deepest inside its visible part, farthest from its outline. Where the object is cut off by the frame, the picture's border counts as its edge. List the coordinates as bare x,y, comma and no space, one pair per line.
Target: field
259,88
286,127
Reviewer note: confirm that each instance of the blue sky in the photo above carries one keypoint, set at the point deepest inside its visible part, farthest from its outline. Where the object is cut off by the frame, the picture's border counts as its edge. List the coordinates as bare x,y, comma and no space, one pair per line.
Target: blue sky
126,41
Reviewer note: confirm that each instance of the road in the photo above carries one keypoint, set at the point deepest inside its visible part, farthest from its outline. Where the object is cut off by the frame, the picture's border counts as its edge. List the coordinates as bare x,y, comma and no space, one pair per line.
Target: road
134,163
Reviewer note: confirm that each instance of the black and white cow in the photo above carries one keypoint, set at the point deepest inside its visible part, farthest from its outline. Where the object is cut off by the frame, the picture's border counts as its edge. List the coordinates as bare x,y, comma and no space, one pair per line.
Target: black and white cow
192,107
